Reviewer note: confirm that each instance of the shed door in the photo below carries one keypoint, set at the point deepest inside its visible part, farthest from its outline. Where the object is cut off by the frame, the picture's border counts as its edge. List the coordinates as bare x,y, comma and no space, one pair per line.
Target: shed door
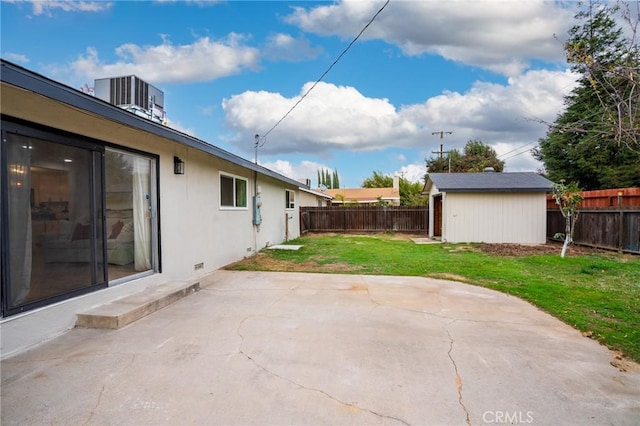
437,216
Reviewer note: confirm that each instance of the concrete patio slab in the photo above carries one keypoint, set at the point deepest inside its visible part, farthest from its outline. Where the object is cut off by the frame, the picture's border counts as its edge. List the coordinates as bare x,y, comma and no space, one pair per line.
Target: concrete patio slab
426,240
260,348
294,247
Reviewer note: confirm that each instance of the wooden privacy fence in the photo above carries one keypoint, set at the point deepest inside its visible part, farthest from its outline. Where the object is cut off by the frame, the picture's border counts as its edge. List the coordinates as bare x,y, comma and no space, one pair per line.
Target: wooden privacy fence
605,198
364,219
617,229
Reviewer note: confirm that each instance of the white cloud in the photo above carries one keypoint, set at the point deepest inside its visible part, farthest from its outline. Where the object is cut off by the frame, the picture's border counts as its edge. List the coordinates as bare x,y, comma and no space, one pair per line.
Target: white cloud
300,172
505,117
46,7
284,47
502,36
16,57
412,172
203,60
339,117
329,117
179,127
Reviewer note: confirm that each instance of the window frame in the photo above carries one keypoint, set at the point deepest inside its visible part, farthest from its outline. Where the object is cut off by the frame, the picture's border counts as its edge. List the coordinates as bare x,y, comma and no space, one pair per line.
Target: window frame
289,200
235,178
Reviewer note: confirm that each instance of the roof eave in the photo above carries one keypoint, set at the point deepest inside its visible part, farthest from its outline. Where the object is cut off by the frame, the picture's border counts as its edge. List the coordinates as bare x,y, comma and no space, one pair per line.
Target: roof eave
28,80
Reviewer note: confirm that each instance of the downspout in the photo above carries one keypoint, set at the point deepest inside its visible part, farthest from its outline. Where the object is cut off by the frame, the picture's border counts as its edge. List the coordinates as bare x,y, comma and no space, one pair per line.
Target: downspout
257,219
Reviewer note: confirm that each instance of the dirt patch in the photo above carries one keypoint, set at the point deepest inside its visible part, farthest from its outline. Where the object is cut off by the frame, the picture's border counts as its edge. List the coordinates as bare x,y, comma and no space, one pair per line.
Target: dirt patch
623,364
519,250
394,236
448,276
266,262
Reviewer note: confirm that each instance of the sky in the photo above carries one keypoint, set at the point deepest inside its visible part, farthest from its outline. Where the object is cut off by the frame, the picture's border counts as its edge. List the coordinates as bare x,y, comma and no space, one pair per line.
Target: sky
489,70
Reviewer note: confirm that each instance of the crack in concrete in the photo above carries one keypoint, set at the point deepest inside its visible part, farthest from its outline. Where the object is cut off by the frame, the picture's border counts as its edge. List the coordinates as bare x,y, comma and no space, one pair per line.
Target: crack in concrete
93,411
104,387
458,378
293,382
375,302
325,393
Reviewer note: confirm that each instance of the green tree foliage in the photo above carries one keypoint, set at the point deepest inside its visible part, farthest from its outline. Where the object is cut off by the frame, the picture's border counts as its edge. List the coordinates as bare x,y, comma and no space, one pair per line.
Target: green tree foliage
594,142
378,180
410,192
475,157
327,179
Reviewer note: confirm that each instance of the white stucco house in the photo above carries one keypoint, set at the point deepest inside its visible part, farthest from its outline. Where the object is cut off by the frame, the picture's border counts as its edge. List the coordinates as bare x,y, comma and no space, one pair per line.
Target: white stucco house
312,198
488,207
98,203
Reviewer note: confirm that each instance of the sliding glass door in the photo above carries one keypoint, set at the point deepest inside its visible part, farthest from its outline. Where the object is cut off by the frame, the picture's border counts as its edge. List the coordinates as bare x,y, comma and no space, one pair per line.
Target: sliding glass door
76,216
131,213
53,221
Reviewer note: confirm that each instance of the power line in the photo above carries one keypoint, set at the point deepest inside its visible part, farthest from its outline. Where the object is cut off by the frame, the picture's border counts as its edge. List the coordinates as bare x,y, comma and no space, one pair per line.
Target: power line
325,73
516,149
517,153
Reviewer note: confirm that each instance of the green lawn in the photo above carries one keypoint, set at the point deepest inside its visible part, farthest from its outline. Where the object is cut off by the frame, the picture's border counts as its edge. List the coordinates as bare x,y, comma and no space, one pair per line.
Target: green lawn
596,293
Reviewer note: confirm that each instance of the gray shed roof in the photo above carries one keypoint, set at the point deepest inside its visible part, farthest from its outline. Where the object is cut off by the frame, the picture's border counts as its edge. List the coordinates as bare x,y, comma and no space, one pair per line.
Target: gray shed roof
21,77
489,182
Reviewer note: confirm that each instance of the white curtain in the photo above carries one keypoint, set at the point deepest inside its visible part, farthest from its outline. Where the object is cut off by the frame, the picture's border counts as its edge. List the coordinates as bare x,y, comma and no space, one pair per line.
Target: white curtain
141,213
19,165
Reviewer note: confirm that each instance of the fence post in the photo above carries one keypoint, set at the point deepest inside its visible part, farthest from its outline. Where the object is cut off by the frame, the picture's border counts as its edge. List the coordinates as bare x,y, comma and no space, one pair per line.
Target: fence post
621,224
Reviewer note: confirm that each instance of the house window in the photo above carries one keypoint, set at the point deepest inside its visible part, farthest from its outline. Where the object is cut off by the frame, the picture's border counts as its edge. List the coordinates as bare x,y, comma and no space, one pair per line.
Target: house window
233,191
290,199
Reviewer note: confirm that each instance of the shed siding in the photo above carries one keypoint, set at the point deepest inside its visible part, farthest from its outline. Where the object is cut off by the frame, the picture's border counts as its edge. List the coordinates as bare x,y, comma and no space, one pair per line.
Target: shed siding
495,217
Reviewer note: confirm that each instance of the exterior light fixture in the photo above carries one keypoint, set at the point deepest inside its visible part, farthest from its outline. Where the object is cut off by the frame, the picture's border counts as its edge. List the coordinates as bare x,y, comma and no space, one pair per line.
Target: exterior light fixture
178,166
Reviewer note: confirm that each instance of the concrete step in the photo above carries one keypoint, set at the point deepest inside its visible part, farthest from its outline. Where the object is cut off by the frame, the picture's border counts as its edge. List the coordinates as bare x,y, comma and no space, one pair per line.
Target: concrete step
124,311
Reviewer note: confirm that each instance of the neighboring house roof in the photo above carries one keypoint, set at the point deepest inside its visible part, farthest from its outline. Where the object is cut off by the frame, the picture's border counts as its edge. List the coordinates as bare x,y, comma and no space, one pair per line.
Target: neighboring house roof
28,80
316,193
488,182
365,195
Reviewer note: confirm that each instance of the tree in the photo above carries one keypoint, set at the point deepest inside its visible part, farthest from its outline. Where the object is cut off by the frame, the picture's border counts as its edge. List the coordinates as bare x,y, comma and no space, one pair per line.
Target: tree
568,198
410,192
475,157
378,180
608,60
595,140
327,180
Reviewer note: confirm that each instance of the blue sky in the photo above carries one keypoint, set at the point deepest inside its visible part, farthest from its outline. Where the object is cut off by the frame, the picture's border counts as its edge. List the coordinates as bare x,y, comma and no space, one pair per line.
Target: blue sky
488,70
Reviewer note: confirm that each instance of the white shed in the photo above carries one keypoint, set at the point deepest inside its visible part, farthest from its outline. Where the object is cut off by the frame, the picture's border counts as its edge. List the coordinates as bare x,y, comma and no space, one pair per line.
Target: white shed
488,207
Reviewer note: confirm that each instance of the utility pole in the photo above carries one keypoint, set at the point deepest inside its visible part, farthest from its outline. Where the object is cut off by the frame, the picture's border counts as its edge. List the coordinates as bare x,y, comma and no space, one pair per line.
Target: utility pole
441,133
442,151
255,145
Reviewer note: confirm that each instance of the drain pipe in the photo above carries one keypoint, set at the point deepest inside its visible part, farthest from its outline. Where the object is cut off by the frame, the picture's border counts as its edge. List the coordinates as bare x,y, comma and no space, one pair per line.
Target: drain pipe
257,202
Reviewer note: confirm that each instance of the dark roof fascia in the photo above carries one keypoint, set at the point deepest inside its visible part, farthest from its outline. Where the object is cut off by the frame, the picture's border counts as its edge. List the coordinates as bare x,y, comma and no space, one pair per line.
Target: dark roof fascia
31,81
459,186
495,190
